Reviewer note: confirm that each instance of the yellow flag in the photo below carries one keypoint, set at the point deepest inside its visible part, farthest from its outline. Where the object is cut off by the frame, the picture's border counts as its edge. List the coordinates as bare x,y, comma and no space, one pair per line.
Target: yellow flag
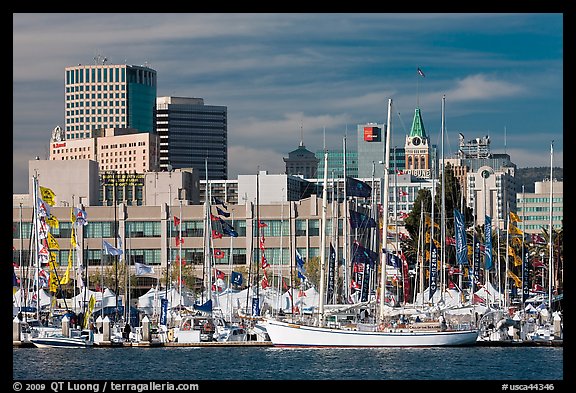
73,243
66,279
72,216
514,230
429,222
52,243
514,277
517,260
52,221
516,241
514,217
91,305
511,251
47,195
53,283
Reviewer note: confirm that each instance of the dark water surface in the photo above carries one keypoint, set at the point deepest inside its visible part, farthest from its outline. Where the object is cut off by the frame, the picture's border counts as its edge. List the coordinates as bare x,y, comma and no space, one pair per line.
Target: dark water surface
268,363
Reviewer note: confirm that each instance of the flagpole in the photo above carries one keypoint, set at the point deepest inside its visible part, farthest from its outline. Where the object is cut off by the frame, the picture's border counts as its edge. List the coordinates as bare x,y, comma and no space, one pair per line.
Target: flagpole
180,254
551,237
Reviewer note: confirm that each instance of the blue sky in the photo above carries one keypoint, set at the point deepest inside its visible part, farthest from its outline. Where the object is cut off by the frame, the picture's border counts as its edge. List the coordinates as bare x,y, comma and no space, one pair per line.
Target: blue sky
324,73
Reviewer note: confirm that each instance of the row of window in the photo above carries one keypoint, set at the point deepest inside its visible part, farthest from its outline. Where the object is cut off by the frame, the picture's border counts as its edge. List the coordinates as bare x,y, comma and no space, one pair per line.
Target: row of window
94,119
135,229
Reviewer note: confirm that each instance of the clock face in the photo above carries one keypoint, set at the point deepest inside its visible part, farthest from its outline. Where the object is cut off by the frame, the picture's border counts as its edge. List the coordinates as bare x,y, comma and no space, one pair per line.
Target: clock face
485,174
416,141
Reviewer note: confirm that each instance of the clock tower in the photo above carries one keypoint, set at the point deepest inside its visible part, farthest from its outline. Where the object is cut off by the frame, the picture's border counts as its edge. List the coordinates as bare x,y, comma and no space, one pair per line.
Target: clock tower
417,149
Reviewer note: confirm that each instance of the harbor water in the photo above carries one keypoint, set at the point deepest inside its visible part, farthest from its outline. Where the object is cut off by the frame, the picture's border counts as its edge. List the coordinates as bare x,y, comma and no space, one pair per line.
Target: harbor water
271,363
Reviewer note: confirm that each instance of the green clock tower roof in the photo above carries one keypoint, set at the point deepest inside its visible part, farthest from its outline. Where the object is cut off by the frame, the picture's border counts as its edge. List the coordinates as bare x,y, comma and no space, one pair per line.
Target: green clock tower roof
417,125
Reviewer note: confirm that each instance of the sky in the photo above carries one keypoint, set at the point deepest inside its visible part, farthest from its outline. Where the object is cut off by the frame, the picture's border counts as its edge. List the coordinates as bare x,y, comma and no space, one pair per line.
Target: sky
312,76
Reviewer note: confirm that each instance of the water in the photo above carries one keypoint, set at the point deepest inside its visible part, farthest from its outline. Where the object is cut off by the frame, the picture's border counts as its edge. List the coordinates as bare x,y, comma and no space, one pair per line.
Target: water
269,363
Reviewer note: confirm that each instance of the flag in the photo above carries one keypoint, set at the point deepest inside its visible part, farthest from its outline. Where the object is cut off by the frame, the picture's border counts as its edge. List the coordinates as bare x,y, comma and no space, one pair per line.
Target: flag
73,243
514,217
142,269
433,270
300,266
47,195
236,278
363,255
52,221
460,234
219,202
428,222
222,212
43,208
179,240
176,221
91,305
362,221
66,278
216,234
402,193
488,242
219,274
355,187
393,260
228,229
109,249
421,73
403,215
516,279
284,285
219,254
265,263
80,216
514,230
537,239
265,283
262,224
52,243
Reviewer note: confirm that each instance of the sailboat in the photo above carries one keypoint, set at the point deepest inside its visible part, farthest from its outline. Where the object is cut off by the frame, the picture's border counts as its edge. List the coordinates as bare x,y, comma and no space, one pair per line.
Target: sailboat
399,334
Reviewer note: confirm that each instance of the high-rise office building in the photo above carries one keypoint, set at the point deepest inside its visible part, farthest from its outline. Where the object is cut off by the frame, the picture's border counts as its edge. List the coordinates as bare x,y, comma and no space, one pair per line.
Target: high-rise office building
104,95
193,134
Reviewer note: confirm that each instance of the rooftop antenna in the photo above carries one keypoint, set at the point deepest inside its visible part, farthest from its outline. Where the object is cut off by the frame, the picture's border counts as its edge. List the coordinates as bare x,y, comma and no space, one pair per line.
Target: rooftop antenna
504,139
301,134
324,136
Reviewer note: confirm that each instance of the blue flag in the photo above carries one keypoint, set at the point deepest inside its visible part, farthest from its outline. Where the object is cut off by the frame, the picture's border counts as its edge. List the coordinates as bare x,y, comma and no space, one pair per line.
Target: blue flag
222,212
206,307
433,270
362,221
219,202
363,255
236,278
488,243
460,230
355,187
109,249
300,266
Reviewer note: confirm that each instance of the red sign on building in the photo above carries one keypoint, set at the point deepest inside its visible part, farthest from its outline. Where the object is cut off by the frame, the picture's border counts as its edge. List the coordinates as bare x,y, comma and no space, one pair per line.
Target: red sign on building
372,134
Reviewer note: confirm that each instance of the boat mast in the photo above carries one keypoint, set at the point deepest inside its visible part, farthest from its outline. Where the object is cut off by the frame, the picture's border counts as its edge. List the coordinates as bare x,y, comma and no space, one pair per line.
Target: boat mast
551,232
383,277
323,241
443,210
345,284
36,241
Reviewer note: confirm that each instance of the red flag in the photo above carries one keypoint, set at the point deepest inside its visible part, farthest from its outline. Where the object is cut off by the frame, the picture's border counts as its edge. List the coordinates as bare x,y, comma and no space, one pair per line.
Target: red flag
301,293
216,234
176,221
219,274
284,286
179,240
265,282
262,224
265,263
262,244
219,254
402,193
213,217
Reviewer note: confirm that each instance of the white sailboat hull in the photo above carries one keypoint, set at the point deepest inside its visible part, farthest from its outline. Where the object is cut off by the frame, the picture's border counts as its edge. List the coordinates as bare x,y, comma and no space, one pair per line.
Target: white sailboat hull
292,335
61,342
